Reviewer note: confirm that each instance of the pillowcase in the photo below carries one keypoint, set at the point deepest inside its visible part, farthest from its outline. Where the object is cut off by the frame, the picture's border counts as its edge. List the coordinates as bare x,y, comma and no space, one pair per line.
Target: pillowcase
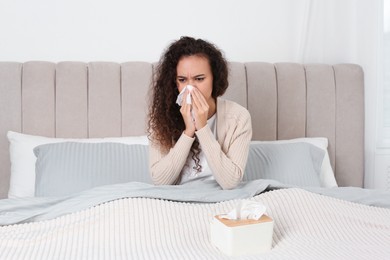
297,164
326,175
22,180
66,168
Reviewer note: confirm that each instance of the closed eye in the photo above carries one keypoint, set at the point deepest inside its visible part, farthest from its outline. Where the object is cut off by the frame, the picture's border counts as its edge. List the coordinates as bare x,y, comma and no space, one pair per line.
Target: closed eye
200,79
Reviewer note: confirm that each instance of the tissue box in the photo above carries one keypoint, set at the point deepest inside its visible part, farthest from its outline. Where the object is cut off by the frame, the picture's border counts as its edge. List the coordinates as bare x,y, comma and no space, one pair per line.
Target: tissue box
242,237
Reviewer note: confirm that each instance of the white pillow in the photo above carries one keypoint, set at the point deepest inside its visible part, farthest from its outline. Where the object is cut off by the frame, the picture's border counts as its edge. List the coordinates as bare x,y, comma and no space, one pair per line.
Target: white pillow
327,178
22,181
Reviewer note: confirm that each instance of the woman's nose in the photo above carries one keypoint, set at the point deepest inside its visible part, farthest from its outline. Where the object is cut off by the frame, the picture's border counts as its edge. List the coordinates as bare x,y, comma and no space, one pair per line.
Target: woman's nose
192,82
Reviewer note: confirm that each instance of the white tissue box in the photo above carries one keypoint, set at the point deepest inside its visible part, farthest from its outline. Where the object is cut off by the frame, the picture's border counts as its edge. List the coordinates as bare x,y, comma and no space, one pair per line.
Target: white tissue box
242,237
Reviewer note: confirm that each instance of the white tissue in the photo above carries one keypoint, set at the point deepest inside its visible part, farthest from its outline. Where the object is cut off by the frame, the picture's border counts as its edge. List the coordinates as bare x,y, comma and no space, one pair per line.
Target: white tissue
180,96
246,209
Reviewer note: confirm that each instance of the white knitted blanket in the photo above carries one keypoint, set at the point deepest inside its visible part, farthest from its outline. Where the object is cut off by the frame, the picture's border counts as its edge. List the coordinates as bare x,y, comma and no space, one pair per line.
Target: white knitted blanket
307,226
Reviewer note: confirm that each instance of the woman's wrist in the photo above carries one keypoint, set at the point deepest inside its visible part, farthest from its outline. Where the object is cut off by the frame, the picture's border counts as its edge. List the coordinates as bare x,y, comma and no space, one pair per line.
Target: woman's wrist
189,133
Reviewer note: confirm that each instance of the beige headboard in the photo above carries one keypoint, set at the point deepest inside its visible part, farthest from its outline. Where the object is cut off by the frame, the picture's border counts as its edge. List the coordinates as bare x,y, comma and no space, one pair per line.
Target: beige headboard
99,99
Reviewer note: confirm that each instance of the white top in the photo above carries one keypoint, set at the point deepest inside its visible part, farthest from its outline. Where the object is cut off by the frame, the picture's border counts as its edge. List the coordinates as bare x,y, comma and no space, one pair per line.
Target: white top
188,172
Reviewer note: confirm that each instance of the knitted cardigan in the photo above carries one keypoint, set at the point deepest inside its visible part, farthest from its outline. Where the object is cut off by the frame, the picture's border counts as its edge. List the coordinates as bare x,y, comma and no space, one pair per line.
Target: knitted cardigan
226,156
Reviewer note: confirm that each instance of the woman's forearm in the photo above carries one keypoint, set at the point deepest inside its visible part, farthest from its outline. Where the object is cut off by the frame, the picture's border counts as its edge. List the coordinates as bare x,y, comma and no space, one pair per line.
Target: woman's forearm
165,169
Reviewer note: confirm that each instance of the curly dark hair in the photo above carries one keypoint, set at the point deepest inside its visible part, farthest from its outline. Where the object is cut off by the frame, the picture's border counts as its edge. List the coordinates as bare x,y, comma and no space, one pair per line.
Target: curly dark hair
165,121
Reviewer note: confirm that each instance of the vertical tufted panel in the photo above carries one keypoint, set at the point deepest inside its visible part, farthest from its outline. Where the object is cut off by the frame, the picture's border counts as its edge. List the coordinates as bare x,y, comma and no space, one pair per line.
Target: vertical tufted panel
321,105
262,99
237,90
291,85
104,99
71,97
10,115
38,92
136,82
350,124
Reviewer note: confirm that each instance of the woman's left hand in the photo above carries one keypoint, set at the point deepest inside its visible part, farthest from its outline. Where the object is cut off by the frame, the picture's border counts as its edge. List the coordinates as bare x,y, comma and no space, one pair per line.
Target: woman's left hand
200,108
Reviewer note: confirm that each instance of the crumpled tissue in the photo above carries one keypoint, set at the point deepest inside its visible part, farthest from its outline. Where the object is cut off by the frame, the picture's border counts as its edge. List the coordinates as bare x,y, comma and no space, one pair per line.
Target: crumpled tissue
246,209
180,96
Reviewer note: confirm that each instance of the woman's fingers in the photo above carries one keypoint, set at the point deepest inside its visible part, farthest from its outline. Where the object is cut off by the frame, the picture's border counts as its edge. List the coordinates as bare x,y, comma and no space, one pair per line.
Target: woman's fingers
199,99
200,108
185,111
185,108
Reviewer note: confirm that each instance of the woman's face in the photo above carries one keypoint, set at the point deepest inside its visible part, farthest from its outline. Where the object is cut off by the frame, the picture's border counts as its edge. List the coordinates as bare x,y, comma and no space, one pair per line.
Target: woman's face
195,70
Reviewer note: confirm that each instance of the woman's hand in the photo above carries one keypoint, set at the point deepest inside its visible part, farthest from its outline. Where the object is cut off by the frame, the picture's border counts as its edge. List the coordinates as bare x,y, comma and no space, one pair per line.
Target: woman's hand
200,107
185,111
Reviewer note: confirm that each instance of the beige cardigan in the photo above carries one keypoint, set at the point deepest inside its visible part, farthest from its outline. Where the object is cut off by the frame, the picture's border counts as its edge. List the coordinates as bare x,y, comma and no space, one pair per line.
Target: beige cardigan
226,157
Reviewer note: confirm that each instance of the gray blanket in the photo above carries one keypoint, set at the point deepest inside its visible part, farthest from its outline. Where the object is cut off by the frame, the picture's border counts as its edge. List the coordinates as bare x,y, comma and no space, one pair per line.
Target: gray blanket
13,211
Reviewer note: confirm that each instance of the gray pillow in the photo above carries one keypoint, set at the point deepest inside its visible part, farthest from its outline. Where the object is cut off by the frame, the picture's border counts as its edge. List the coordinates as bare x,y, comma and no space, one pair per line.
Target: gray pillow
69,167
297,164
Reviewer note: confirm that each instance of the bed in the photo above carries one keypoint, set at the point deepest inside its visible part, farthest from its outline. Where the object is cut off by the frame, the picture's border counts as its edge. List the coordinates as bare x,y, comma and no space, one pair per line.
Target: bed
308,118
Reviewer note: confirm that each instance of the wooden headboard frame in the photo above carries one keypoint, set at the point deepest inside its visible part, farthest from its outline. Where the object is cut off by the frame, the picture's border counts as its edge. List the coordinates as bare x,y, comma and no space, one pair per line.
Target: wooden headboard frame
100,99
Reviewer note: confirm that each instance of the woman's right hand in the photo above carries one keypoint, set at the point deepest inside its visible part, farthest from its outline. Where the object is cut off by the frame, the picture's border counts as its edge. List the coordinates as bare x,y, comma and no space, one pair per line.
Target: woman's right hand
185,111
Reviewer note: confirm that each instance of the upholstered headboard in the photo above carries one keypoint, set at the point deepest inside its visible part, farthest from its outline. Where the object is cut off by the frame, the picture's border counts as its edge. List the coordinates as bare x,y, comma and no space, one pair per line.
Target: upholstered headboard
100,99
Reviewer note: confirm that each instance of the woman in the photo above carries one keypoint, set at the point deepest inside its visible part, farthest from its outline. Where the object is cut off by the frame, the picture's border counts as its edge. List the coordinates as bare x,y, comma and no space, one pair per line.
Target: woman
202,137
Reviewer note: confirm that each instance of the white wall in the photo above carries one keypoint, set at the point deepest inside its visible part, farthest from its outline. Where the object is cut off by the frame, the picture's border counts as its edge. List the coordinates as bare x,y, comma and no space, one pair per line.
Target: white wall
249,30
122,30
